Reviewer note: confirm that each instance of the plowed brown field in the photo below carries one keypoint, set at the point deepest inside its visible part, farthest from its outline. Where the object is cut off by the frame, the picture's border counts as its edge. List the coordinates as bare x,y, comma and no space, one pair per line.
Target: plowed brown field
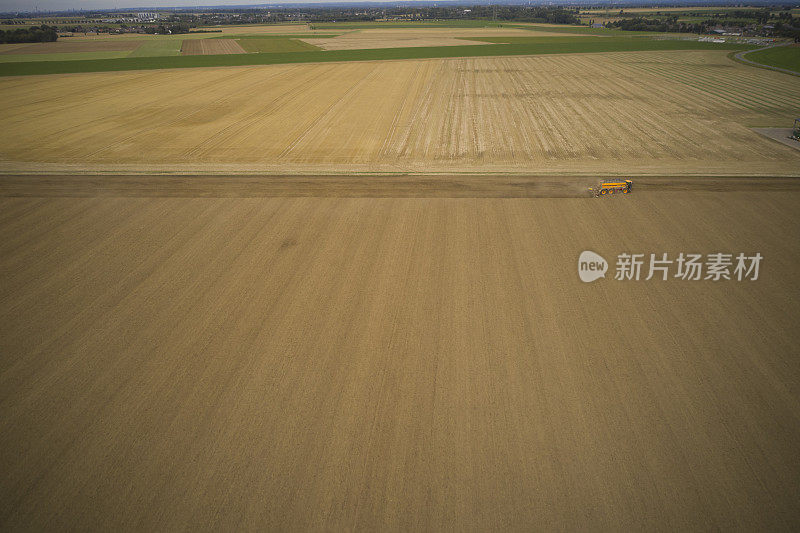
71,46
198,47
385,364
640,112
411,350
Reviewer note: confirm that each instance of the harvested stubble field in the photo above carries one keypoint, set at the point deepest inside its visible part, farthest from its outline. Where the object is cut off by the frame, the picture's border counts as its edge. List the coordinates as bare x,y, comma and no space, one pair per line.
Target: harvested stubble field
209,47
273,45
373,364
403,37
642,112
357,41
7,47
265,29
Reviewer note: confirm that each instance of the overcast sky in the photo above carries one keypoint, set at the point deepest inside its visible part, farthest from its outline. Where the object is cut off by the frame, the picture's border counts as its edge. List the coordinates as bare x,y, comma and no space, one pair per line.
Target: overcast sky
59,5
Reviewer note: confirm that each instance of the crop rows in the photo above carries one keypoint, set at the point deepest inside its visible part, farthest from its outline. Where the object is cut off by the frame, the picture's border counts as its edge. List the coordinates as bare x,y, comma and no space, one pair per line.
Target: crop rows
600,111
394,364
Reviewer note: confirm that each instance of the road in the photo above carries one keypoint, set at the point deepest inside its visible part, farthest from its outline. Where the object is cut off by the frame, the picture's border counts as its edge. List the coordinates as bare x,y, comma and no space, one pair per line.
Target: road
740,57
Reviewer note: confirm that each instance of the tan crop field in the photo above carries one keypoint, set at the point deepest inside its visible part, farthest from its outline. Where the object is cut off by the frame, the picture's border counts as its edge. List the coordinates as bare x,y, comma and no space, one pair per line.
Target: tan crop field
360,41
290,29
72,46
374,364
197,47
404,37
8,47
644,112
344,296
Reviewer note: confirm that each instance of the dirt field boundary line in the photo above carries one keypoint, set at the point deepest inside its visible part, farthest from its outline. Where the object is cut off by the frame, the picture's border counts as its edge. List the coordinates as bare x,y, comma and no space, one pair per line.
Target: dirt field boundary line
62,171
399,186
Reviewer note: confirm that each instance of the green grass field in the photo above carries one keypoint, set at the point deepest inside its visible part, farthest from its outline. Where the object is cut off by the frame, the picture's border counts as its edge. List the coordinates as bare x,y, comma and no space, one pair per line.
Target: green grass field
534,47
165,47
787,57
586,30
276,45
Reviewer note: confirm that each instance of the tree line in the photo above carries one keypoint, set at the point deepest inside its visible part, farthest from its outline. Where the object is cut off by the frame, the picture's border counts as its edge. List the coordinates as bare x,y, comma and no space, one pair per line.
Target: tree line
505,13
34,34
671,25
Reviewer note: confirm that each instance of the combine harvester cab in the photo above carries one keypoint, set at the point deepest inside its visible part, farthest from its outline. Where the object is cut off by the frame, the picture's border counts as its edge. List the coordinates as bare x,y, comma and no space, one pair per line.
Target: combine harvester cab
611,187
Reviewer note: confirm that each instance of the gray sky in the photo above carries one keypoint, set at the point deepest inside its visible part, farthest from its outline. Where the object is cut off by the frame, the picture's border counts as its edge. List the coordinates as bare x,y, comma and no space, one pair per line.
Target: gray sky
50,5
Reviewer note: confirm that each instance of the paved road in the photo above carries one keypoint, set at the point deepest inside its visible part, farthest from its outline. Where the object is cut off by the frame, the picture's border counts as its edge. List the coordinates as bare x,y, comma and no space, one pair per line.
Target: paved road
740,57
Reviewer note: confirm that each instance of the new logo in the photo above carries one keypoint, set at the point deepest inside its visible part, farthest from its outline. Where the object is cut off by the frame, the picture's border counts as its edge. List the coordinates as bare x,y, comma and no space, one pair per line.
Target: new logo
591,266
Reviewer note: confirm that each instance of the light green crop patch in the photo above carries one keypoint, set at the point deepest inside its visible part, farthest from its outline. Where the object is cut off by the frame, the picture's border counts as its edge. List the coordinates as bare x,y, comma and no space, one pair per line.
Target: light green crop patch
158,48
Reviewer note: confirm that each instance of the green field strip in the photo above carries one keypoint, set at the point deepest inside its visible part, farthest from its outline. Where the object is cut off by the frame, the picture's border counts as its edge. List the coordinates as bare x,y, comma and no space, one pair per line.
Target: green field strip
585,30
158,49
381,54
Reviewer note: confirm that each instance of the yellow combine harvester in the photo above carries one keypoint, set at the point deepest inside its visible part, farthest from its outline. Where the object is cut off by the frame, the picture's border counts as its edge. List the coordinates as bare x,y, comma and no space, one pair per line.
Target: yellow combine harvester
611,187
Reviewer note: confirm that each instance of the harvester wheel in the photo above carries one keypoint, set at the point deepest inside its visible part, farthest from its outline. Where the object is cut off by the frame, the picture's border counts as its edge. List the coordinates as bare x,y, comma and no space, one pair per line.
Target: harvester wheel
603,191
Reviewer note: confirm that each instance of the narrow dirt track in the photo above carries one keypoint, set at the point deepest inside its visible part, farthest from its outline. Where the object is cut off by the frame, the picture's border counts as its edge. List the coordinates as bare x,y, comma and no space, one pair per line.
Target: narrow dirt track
366,186
370,364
